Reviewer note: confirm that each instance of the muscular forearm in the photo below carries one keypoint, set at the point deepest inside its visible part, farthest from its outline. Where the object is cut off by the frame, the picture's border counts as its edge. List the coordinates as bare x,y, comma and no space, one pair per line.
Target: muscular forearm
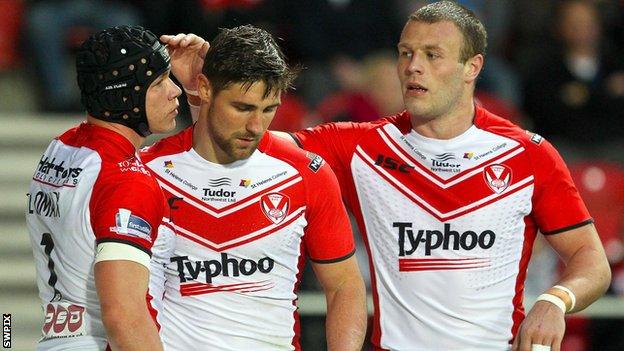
346,317
588,275
131,329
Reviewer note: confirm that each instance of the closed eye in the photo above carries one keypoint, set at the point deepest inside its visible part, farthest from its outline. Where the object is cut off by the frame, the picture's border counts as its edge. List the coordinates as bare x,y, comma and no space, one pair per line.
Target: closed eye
270,109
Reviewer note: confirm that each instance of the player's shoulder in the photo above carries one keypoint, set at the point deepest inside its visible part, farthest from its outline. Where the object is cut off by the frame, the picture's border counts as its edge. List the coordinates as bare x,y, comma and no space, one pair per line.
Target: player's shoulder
91,146
179,142
305,162
532,142
350,130
400,120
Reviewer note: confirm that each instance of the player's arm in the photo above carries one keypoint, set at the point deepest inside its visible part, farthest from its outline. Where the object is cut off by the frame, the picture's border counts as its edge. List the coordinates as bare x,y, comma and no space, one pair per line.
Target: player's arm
125,230
330,246
122,287
346,303
564,220
284,135
586,275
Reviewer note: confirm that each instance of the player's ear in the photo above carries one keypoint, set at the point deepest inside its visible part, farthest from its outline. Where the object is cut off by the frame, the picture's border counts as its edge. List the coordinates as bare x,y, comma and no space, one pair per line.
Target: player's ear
473,67
204,87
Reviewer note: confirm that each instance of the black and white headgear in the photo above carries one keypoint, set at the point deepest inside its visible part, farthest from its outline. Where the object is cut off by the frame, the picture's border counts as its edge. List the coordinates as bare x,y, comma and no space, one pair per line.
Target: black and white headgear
115,67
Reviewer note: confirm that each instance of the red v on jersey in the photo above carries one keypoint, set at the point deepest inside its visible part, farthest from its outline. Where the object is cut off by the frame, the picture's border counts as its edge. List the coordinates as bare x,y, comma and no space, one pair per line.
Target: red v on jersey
236,224
463,193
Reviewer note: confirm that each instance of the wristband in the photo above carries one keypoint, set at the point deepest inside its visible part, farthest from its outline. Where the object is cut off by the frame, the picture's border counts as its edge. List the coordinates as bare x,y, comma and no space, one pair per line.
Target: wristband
555,300
570,293
191,92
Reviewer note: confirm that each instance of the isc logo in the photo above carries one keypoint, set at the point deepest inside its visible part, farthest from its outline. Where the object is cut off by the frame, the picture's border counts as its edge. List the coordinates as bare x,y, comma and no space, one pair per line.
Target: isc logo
62,320
390,163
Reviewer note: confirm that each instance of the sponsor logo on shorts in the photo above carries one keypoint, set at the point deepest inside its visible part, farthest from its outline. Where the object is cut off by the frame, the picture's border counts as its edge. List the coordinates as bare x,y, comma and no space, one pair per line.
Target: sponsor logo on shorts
245,183
63,320
168,164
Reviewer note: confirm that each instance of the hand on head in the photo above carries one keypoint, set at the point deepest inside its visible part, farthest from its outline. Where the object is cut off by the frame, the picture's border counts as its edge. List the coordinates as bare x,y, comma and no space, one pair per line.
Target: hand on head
187,53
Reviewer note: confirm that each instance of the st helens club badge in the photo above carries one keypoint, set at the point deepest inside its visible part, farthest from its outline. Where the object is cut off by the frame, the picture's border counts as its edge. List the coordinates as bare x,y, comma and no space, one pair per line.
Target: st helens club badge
275,206
497,177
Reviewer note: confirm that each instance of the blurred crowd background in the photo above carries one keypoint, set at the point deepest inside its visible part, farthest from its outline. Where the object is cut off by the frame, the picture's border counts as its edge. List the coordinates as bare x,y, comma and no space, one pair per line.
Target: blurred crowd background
554,67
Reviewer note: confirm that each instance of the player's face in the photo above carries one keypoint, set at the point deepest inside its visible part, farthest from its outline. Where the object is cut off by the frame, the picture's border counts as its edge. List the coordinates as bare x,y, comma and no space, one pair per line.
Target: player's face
238,118
429,68
161,104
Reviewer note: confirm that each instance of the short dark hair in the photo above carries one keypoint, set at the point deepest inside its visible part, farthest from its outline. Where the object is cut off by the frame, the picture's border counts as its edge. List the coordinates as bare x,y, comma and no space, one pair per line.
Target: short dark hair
475,35
247,54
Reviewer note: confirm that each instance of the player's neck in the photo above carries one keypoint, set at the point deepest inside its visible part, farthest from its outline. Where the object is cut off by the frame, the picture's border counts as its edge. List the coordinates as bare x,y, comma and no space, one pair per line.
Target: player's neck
128,133
203,143
447,126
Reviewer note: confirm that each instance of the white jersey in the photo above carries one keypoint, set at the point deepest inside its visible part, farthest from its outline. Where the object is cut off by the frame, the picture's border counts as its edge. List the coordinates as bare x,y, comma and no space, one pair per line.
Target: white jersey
449,224
242,232
90,200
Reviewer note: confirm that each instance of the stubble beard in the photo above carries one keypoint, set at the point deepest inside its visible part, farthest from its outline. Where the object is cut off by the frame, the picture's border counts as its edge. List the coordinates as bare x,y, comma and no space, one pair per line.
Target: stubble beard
234,153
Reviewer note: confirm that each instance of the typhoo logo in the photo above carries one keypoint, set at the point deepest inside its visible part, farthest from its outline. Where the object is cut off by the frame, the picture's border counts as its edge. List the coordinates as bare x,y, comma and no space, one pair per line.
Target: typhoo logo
410,240
227,267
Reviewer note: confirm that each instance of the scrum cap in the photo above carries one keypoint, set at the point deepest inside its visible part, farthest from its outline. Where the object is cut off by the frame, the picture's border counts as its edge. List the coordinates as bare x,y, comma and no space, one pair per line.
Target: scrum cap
115,67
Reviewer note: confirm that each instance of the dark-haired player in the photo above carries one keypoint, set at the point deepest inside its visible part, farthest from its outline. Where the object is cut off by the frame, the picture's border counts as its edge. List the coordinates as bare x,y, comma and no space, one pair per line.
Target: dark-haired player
247,209
93,208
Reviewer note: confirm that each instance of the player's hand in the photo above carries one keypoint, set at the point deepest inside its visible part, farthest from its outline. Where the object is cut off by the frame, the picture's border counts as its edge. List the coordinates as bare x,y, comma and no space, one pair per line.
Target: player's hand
187,53
543,325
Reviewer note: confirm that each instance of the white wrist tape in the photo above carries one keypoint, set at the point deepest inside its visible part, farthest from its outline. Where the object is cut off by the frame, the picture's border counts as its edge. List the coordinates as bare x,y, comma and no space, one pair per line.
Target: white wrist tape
570,293
555,300
191,92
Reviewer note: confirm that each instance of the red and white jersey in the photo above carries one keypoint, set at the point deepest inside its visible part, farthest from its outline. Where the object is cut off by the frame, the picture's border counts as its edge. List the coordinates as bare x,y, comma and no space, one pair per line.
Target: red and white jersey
90,200
448,224
242,232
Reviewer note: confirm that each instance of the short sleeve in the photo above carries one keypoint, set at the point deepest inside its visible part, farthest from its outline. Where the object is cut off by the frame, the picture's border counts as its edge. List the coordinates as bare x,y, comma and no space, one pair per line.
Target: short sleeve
328,237
334,142
557,204
127,212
